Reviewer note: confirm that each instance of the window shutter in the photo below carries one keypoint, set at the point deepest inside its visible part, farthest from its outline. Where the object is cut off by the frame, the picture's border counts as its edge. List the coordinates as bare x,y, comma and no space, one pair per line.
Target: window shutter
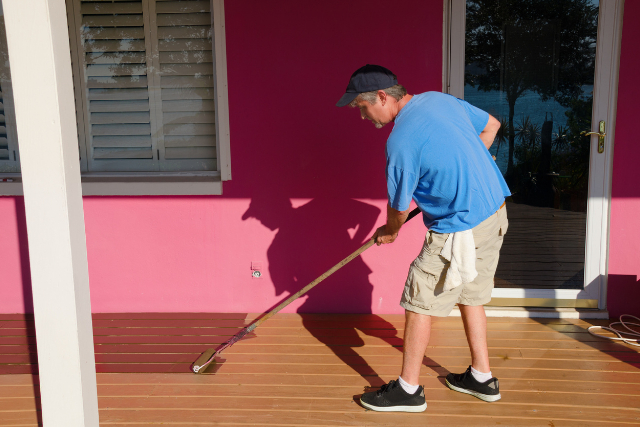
147,77
186,81
9,159
115,53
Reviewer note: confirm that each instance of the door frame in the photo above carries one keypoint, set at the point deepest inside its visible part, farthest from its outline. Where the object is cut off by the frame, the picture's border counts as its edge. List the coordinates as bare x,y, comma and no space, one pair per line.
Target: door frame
600,165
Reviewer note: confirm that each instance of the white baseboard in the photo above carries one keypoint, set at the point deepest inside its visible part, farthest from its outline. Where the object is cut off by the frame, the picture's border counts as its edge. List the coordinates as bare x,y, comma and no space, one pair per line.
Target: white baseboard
553,313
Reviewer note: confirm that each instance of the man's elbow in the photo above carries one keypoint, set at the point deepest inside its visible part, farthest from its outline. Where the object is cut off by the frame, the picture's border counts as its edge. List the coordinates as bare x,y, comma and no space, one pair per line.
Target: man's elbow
493,125
490,130
396,212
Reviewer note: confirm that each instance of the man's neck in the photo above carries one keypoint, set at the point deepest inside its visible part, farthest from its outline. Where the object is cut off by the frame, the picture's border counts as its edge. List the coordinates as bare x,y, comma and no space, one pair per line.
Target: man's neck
405,99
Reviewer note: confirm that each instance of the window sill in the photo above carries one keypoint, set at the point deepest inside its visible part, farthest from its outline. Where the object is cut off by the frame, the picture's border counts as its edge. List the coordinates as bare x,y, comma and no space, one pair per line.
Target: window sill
169,184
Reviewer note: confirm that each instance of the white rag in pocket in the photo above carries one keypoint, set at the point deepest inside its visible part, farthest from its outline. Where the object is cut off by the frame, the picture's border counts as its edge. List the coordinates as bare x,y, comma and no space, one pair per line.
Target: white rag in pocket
460,250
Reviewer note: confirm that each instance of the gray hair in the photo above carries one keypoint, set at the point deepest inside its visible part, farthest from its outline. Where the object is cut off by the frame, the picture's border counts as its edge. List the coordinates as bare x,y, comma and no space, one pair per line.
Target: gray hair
397,92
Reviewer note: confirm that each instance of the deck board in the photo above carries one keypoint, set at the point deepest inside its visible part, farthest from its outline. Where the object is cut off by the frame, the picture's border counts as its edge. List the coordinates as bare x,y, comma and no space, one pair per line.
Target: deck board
309,370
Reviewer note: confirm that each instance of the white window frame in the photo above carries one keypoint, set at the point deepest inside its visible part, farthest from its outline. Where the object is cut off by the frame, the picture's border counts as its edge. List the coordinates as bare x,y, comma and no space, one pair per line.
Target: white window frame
157,183
601,165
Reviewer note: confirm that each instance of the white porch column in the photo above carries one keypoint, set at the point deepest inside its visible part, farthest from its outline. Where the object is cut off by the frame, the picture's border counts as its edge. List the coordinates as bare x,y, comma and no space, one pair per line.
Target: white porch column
40,63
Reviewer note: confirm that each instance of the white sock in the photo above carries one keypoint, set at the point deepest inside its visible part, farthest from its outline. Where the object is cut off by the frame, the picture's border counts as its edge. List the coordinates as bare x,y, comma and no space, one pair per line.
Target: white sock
411,389
481,377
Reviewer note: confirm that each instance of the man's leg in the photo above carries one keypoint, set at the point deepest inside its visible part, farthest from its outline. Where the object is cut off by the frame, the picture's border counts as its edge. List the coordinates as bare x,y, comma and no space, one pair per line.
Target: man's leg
475,326
420,303
488,237
395,396
417,330
478,380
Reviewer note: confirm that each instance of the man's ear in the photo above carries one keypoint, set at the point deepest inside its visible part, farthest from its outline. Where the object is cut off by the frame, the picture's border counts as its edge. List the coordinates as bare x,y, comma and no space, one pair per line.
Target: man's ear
382,95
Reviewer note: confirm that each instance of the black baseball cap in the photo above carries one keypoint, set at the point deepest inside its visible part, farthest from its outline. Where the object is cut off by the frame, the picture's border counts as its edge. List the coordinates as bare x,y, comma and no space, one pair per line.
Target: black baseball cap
366,79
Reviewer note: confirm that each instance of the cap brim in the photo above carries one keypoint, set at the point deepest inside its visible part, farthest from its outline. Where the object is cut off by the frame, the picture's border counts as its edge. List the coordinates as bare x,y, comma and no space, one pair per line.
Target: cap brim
347,98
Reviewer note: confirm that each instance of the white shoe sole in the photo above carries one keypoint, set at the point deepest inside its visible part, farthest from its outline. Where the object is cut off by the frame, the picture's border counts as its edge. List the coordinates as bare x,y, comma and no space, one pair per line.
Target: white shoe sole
420,408
481,396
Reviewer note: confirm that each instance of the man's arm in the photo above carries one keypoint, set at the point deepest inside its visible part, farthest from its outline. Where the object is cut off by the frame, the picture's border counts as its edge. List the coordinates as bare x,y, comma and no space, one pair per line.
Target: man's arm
490,130
388,232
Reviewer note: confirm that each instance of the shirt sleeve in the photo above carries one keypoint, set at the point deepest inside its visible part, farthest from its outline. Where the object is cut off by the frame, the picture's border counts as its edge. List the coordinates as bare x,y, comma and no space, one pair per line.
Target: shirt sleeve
479,118
400,187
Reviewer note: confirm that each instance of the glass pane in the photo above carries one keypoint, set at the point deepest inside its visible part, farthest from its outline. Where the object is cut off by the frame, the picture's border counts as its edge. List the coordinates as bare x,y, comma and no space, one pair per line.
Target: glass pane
530,64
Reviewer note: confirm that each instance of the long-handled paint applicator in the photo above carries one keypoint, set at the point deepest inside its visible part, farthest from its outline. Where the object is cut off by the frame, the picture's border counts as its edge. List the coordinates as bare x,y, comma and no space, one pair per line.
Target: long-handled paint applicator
206,358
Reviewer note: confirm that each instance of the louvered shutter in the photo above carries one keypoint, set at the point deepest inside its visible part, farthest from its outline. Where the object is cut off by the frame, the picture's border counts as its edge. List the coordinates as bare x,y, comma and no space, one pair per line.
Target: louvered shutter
186,81
115,49
147,77
9,159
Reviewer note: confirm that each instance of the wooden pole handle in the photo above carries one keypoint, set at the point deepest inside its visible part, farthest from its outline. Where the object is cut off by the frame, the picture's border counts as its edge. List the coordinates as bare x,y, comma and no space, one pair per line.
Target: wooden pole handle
208,356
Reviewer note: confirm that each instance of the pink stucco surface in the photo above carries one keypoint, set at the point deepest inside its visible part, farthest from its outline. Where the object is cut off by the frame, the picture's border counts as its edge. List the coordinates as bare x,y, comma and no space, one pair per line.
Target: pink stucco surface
312,173
624,245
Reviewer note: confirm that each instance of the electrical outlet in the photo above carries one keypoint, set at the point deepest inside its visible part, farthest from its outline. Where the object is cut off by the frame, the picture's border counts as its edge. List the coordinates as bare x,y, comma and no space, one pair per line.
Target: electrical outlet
256,269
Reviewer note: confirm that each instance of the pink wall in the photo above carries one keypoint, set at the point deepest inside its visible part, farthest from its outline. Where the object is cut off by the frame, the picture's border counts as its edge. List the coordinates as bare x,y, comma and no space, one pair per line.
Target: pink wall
313,174
624,246
288,63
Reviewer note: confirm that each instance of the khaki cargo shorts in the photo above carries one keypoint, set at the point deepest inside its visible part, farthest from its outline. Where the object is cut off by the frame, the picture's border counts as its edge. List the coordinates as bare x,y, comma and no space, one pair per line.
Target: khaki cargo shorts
423,291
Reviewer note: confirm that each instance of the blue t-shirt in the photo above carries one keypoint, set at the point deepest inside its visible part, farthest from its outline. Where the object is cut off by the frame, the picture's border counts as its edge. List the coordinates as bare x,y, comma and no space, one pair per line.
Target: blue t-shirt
435,156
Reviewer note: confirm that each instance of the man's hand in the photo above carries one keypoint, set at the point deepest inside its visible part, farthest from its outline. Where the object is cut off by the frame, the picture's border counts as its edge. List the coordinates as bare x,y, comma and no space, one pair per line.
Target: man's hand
389,232
382,237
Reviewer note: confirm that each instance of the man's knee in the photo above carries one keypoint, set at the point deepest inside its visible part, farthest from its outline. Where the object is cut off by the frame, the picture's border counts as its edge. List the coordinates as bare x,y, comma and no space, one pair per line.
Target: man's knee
418,319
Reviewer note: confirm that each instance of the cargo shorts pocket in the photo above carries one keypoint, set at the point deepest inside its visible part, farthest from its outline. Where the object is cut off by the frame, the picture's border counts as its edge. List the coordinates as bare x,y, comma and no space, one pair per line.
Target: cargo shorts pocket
429,260
433,244
419,289
424,281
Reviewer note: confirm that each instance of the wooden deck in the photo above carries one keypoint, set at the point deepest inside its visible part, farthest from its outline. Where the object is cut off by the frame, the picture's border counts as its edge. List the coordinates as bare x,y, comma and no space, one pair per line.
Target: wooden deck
310,371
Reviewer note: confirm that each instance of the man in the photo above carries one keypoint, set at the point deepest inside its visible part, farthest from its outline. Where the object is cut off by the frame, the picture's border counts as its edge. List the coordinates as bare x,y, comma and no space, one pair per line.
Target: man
437,154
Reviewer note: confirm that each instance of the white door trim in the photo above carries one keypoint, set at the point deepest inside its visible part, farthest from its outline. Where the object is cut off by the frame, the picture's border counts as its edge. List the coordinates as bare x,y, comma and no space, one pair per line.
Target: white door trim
453,48
601,165
605,101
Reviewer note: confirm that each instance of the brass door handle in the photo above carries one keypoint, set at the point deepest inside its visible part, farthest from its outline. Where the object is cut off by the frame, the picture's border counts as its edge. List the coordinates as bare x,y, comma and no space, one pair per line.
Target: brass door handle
601,134
584,132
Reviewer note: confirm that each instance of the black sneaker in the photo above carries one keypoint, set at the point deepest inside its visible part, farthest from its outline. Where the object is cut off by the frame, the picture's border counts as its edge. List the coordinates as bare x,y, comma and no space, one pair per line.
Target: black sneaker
488,391
392,398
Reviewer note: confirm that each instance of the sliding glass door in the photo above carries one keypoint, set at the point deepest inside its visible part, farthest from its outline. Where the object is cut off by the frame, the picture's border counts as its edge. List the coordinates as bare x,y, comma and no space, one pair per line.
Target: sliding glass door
547,70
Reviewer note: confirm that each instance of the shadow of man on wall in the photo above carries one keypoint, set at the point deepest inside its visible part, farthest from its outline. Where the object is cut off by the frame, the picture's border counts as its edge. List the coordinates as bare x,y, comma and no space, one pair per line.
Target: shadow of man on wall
311,239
